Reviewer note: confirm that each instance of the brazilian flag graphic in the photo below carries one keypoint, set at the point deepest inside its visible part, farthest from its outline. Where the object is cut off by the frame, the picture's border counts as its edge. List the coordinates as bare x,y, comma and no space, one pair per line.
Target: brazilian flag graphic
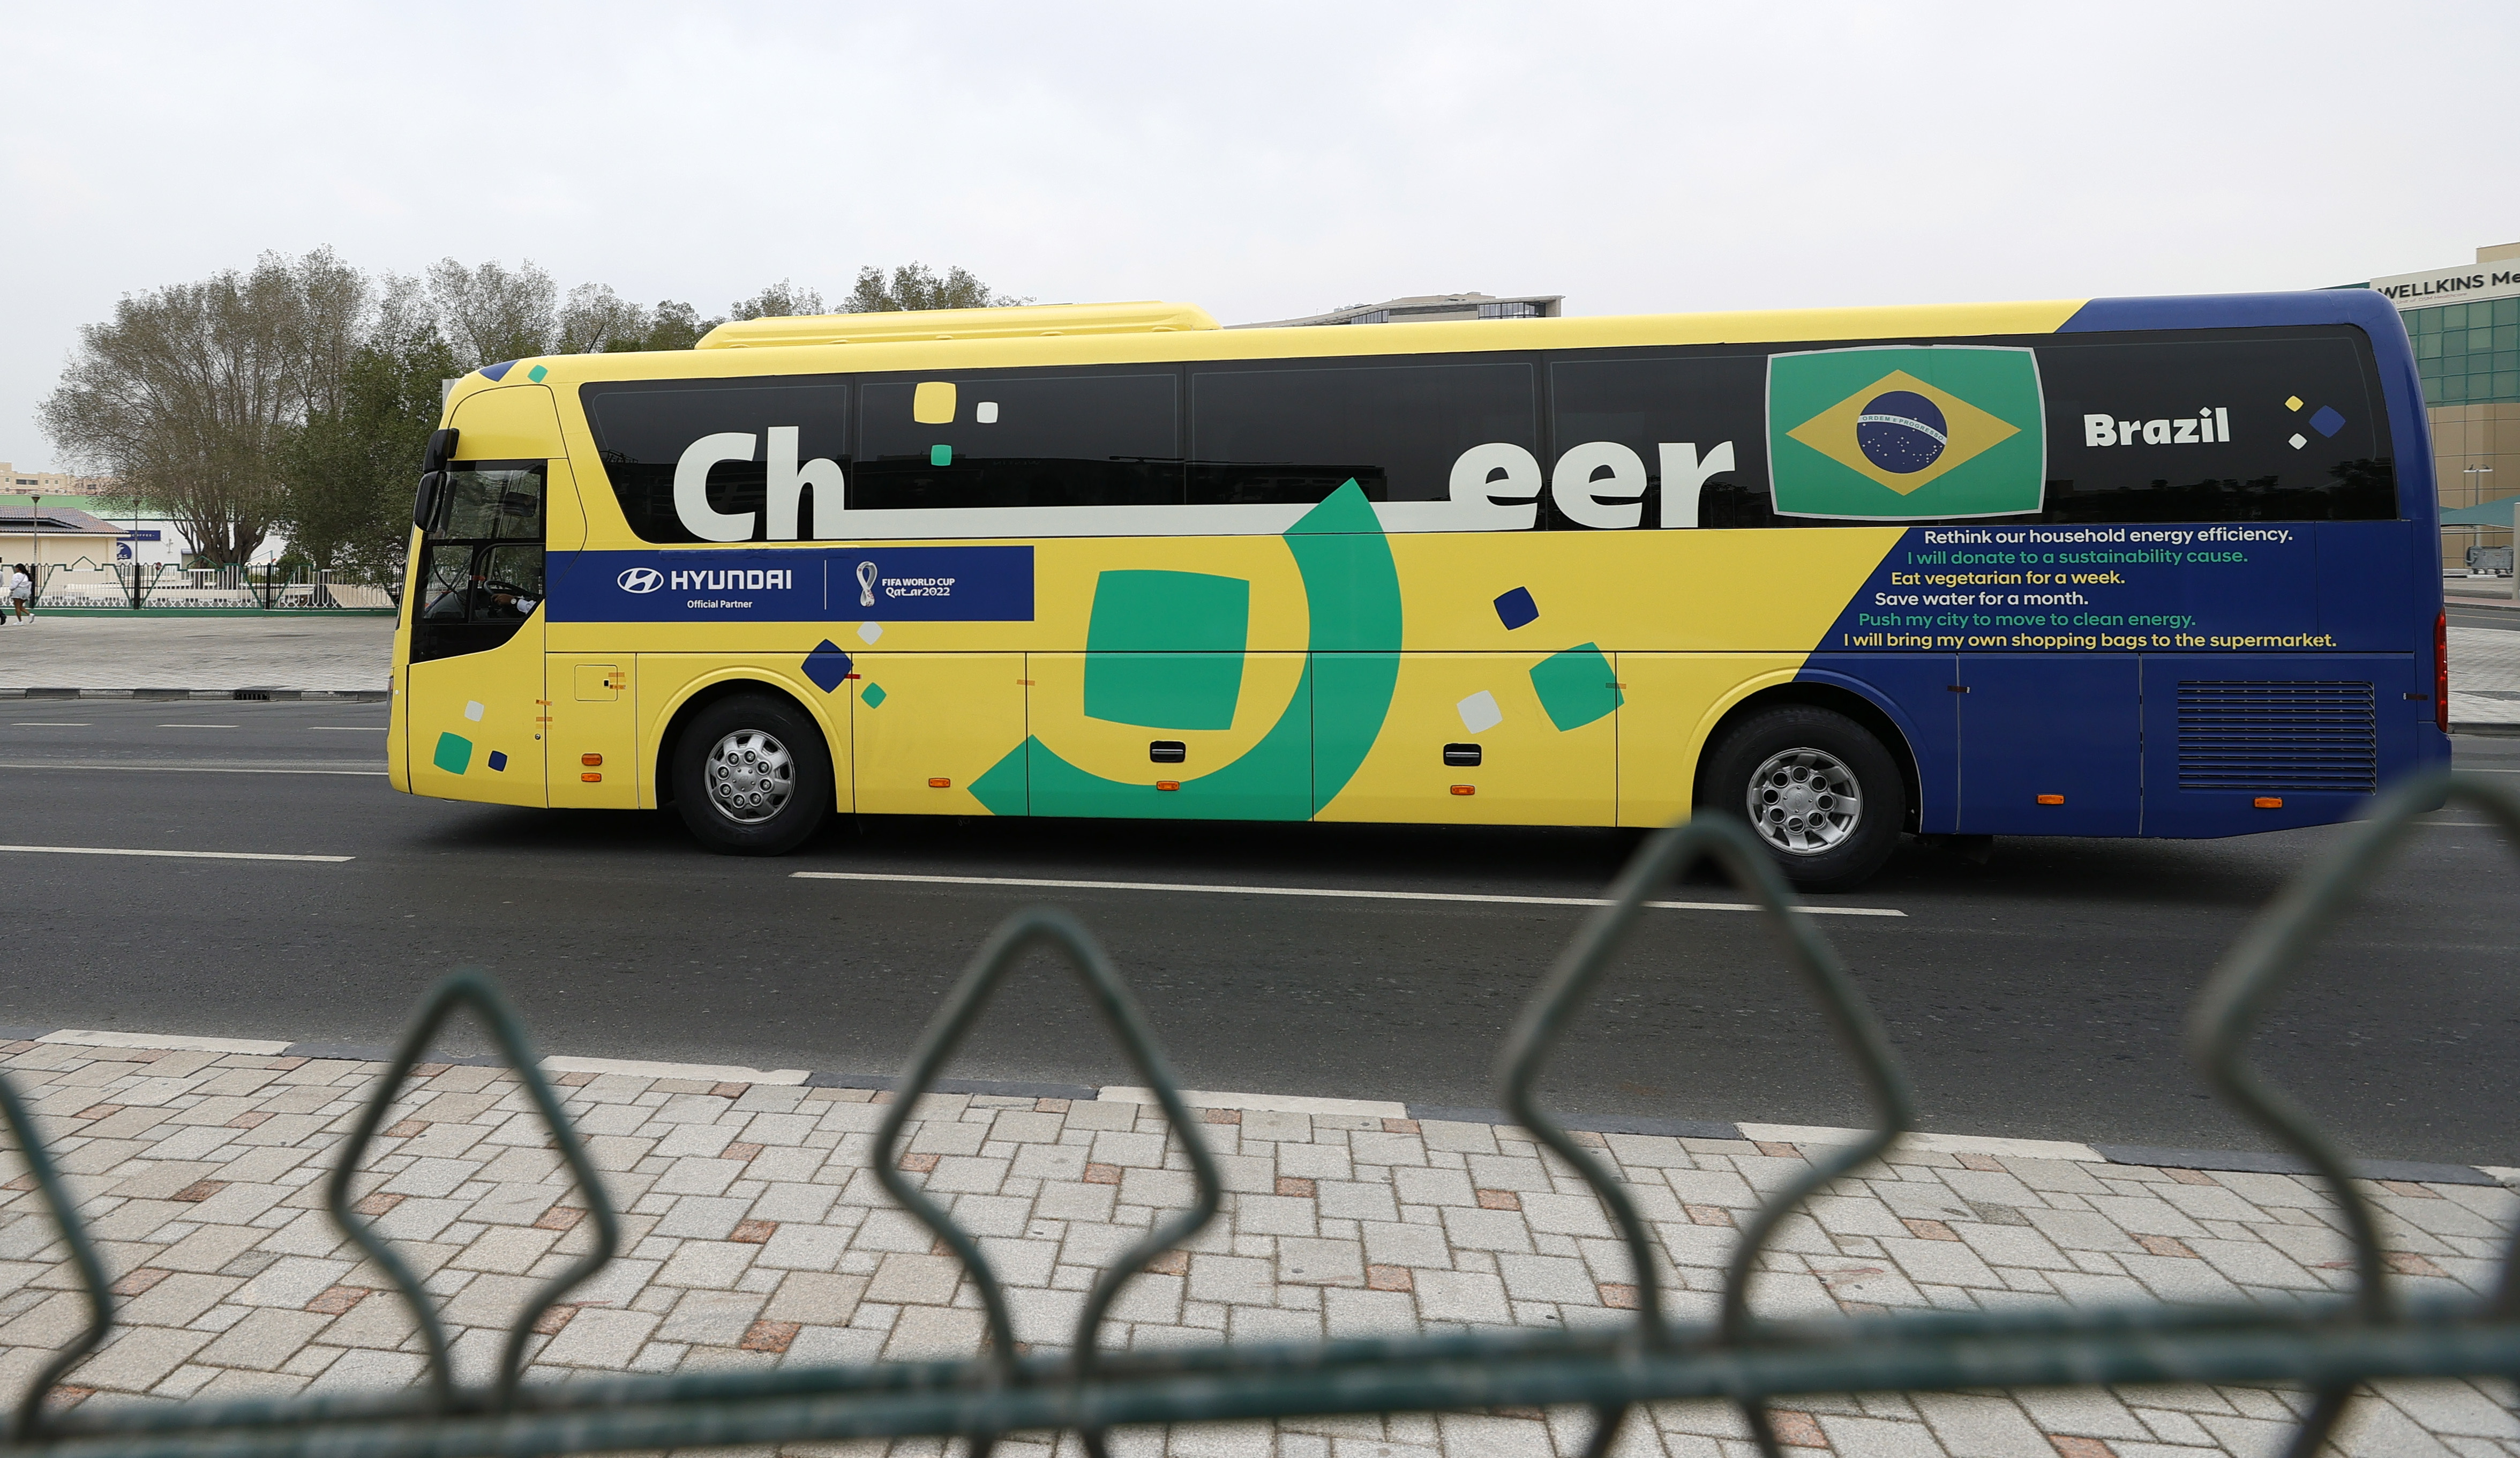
1899,433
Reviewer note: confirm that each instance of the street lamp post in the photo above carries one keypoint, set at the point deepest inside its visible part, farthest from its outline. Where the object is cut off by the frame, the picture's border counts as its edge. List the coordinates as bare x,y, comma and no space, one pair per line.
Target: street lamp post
35,568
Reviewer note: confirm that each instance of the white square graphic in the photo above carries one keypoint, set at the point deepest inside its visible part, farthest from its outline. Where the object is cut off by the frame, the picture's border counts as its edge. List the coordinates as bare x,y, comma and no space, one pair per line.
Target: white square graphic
868,633
1479,713
474,710
987,414
2298,441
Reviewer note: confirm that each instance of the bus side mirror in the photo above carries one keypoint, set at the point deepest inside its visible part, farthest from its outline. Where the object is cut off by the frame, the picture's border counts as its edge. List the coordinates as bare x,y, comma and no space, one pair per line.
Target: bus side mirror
433,475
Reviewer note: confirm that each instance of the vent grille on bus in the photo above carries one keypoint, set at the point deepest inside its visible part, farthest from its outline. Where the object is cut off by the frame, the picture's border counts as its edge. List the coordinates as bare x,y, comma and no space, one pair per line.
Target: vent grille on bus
2312,735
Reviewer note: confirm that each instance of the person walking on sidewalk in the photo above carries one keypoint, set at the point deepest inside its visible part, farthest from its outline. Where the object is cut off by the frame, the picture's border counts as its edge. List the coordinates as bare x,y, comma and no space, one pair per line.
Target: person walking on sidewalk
21,590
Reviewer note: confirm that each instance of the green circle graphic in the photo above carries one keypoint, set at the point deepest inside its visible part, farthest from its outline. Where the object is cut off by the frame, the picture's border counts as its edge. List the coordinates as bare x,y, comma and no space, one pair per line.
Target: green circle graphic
1352,598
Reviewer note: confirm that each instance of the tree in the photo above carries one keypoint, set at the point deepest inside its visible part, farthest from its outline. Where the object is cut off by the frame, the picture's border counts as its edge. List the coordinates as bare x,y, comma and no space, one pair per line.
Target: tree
491,314
191,393
676,326
780,300
350,470
596,321
913,285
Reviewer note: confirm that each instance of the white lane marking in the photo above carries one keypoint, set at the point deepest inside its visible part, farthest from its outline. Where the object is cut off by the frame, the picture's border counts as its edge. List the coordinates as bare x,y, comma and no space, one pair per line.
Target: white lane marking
1940,1144
1262,1103
183,770
94,1038
1303,891
196,726
714,1073
204,855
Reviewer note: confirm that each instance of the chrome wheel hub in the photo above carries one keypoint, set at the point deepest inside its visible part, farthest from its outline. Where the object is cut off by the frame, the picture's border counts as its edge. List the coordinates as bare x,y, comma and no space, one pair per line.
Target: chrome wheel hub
749,776
1804,801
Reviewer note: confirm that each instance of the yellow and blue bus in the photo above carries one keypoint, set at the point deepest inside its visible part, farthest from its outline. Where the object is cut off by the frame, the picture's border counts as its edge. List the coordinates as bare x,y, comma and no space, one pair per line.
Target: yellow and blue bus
2141,566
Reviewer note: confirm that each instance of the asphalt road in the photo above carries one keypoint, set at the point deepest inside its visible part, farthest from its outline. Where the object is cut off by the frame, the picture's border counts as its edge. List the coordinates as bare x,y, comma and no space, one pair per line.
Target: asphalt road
2038,995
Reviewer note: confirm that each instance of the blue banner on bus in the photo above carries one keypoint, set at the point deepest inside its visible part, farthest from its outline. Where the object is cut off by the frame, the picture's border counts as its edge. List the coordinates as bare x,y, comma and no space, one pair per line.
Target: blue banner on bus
885,584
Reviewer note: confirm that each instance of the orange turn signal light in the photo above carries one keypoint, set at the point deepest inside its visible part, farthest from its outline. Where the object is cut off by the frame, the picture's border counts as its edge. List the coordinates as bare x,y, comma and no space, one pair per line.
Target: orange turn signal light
592,777
590,759
2051,799
940,784
1465,790
1168,784
2269,802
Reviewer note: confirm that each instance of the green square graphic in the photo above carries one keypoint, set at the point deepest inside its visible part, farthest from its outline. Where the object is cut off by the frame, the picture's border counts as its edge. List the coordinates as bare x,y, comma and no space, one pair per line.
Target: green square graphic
1165,649
1907,432
1576,686
873,695
454,753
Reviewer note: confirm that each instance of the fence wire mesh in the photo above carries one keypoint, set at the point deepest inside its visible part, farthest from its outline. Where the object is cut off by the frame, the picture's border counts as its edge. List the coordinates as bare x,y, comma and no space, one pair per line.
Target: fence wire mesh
2370,1333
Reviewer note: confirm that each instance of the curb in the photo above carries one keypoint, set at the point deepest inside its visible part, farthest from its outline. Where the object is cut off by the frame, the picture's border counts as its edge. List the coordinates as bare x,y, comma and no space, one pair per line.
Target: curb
265,695
721,1075
2489,731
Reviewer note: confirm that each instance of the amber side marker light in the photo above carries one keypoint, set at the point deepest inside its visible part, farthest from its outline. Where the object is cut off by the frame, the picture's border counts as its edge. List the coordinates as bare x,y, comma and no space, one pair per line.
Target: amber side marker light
940,784
590,759
2269,802
592,777
2051,799
1465,790
1168,784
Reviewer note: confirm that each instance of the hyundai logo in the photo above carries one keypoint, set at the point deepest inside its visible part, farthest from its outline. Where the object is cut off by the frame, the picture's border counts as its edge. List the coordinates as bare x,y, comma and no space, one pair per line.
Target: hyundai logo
641,580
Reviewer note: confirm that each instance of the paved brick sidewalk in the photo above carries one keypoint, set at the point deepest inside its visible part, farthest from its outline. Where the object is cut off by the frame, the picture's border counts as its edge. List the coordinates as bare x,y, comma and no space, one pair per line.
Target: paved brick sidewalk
754,1236
197,653
2484,677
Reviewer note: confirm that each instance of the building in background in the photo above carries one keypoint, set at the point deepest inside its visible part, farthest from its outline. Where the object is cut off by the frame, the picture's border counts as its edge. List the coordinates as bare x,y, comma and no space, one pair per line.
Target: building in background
2465,324
52,482
54,537
1431,308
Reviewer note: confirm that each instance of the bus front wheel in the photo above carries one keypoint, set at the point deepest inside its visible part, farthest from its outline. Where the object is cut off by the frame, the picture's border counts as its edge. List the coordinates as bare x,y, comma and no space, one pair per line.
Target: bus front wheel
1819,792
752,776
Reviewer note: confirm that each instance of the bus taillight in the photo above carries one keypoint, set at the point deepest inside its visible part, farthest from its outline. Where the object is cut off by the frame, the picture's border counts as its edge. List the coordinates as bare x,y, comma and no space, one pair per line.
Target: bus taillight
2441,671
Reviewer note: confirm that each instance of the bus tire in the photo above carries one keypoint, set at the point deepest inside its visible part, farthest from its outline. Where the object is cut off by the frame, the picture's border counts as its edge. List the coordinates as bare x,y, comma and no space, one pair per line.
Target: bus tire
753,776
1824,796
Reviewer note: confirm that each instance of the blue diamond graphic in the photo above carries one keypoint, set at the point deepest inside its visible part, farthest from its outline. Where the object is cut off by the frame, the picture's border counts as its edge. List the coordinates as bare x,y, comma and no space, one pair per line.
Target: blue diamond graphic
498,759
2327,422
1516,607
827,666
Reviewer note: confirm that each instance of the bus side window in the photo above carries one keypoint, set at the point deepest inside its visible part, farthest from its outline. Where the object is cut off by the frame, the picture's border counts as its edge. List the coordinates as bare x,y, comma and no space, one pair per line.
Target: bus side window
1712,403
1082,438
1296,434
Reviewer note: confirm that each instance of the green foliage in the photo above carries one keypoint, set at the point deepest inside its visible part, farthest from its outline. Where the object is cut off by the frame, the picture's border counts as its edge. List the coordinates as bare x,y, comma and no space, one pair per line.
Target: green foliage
350,472
676,326
914,286
780,300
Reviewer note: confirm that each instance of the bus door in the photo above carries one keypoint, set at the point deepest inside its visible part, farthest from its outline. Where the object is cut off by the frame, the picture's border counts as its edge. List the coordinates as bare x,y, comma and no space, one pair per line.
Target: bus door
1490,739
1189,736
2236,742
938,732
475,705
2051,745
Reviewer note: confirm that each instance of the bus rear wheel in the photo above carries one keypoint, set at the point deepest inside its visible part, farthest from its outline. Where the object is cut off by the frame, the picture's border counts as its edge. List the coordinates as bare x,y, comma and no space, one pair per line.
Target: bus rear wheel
752,776
1820,792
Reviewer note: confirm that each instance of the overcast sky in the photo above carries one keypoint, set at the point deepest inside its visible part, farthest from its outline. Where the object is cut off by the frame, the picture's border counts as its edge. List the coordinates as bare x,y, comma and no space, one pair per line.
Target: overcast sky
1261,161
